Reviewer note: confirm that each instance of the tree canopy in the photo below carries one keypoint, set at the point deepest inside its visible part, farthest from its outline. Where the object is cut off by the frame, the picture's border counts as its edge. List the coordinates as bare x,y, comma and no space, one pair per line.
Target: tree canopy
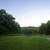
8,23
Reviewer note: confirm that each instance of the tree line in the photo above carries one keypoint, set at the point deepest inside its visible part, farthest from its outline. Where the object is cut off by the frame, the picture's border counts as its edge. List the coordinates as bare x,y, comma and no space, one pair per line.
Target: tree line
8,25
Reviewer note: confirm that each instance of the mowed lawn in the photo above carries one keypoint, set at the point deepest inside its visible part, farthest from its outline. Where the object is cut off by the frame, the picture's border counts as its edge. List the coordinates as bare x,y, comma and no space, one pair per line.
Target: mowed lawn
24,43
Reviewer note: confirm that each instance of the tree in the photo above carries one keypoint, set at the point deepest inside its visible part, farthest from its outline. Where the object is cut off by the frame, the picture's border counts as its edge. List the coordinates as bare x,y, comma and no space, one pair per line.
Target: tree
43,28
7,23
26,30
48,28
35,30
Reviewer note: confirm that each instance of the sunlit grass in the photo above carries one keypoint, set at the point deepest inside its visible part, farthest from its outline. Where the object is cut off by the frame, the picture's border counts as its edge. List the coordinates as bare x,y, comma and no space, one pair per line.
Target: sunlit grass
35,42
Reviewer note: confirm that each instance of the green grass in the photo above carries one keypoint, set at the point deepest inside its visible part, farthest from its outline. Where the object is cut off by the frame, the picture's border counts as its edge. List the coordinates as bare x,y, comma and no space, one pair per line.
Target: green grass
24,43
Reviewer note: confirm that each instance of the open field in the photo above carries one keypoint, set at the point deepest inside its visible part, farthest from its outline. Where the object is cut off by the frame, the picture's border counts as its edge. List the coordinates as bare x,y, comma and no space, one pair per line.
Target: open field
24,43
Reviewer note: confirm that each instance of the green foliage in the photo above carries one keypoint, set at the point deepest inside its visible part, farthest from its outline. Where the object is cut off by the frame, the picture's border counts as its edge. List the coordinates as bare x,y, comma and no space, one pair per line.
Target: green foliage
45,28
42,29
27,30
35,30
30,30
48,28
7,23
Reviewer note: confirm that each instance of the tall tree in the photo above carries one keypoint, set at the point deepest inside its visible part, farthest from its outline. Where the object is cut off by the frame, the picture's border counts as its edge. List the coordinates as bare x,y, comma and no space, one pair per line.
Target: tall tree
42,29
48,28
7,23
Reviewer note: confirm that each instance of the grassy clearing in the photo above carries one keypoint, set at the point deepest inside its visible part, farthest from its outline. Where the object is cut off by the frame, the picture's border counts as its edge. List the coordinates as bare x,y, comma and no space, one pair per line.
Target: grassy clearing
24,43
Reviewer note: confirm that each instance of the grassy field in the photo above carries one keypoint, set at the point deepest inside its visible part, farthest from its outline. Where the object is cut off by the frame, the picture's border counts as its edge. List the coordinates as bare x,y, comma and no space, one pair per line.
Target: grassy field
24,43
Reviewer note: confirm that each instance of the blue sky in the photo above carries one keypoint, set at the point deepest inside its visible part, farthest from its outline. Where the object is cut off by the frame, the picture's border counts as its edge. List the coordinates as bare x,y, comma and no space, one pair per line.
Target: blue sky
28,12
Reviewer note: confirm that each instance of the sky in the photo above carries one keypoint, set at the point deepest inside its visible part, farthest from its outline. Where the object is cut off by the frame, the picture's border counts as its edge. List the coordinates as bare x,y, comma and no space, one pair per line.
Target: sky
28,12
